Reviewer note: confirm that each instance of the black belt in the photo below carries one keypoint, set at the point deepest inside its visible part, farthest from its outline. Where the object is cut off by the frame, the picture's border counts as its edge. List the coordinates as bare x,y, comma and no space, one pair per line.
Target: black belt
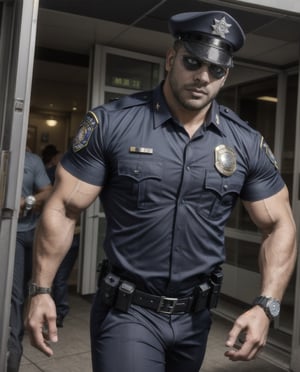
121,293
163,304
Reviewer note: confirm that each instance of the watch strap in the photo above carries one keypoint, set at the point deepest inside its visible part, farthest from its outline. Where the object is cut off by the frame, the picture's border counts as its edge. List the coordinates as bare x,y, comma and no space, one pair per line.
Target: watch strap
34,290
265,303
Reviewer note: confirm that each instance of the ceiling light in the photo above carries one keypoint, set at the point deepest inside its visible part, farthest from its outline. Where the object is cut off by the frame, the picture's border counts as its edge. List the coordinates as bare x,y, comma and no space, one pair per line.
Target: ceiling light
51,122
268,99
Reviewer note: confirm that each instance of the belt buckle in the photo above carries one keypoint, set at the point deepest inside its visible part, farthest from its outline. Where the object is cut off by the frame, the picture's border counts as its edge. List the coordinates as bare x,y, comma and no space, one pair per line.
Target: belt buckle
167,305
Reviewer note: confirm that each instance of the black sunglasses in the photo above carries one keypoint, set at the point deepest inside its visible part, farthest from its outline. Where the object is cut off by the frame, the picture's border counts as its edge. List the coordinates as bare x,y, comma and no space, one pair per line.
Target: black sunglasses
193,64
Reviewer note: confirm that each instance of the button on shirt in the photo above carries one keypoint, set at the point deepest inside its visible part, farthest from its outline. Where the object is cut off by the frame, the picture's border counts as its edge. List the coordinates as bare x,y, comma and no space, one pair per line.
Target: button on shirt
165,202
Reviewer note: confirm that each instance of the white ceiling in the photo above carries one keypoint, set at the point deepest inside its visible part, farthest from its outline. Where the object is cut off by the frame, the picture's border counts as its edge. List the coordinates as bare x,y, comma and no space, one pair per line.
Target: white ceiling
272,38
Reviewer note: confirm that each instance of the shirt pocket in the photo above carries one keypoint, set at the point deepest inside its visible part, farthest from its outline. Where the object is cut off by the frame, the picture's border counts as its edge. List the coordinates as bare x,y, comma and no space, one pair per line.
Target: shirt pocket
142,178
219,194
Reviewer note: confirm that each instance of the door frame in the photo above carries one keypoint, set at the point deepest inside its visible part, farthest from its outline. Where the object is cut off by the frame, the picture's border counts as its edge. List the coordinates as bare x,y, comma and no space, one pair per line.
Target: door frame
17,46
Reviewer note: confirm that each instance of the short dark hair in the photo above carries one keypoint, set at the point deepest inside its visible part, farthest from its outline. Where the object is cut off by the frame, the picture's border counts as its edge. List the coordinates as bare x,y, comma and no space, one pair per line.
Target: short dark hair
48,153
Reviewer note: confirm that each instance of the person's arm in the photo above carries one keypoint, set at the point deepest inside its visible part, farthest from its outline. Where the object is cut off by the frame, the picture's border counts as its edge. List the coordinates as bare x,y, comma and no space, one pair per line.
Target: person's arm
40,198
53,238
273,216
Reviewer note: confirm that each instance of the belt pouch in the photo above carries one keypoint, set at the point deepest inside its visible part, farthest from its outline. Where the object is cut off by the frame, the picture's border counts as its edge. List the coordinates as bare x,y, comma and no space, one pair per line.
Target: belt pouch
124,296
108,288
216,283
201,294
103,269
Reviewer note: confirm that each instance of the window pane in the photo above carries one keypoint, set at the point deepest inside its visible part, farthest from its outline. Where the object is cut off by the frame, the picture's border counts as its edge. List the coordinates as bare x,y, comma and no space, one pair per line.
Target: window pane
130,73
242,254
258,108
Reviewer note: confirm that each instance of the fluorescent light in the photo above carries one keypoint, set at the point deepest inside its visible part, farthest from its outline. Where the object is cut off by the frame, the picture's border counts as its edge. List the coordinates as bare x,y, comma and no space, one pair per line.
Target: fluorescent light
268,99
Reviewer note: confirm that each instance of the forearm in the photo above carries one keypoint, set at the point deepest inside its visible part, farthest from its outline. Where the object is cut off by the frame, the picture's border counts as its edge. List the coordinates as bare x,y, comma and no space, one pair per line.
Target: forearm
53,238
277,260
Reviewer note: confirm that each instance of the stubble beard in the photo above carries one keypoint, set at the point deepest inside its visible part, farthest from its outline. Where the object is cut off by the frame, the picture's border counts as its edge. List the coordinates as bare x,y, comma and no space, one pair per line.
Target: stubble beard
190,104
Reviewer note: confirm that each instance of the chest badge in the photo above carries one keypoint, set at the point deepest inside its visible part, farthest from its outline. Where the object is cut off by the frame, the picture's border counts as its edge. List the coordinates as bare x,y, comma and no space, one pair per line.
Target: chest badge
225,160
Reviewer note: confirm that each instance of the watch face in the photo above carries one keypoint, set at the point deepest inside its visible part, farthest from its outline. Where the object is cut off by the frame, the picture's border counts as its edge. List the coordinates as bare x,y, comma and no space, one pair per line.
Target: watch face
32,289
274,307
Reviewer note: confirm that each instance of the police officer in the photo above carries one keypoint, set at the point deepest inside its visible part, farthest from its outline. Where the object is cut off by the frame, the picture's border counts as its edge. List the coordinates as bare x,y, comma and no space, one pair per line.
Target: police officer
169,165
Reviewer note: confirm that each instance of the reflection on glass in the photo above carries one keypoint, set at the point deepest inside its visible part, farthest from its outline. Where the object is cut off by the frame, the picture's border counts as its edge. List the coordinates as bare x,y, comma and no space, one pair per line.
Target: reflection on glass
130,73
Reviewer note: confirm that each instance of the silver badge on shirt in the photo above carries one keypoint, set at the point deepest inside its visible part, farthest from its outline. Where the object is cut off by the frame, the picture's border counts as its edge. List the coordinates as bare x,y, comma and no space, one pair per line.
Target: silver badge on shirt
225,160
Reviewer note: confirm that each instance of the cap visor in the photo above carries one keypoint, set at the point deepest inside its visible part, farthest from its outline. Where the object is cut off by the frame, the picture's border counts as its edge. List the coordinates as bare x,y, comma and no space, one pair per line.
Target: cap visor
209,53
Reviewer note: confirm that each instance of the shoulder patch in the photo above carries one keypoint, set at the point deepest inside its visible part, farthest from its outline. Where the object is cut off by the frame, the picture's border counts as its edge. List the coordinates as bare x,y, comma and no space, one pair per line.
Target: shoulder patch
85,131
265,147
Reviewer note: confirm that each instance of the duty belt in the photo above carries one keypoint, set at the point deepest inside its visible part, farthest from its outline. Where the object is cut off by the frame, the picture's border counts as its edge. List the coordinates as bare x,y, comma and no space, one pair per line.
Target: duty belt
162,304
121,294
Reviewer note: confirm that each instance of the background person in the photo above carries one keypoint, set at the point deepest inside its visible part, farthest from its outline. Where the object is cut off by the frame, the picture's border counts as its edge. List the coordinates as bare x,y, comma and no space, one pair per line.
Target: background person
51,157
36,188
169,165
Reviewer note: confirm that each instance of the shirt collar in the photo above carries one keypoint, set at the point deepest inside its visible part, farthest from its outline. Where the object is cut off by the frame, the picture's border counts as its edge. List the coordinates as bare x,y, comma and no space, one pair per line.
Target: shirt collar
162,113
160,107
214,118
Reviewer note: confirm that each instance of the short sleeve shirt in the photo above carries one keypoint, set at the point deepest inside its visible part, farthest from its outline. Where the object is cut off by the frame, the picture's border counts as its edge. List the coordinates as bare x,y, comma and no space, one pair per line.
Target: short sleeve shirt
166,196
35,178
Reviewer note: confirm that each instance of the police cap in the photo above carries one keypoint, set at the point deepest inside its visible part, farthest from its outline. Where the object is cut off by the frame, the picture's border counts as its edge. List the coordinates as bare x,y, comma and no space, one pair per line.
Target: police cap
210,36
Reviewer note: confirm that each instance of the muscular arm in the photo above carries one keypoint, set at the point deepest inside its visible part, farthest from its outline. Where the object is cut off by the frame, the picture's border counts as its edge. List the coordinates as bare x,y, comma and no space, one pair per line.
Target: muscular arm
277,257
56,228
52,241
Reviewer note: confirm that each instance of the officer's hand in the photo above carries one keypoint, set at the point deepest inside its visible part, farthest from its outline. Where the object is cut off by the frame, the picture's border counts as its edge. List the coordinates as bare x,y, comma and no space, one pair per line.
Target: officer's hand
41,322
254,326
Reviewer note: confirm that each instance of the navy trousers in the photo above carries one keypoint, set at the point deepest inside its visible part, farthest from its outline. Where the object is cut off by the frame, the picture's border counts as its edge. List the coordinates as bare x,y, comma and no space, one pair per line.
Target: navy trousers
22,275
143,340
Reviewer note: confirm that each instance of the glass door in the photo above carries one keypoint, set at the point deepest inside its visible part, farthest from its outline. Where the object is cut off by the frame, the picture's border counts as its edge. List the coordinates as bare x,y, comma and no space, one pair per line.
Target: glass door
115,73
270,106
17,43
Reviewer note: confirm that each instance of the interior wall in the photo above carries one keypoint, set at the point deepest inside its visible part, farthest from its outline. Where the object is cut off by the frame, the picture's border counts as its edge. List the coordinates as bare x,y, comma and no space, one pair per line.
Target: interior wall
240,74
40,134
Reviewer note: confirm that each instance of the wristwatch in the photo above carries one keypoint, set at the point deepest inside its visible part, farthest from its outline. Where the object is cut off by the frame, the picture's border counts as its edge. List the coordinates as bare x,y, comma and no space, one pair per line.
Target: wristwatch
270,305
34,290
29,202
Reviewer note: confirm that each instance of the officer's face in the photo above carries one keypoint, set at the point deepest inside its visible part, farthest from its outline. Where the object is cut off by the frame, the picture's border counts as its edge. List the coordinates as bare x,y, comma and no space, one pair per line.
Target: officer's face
192,83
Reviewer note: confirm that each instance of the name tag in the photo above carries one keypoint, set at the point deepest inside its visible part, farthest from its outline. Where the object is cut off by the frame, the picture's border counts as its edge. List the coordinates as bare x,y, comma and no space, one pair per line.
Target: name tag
141,150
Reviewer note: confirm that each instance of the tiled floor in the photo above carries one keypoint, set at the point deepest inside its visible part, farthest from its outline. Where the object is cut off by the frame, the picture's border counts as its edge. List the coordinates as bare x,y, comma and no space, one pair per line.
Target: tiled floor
72,352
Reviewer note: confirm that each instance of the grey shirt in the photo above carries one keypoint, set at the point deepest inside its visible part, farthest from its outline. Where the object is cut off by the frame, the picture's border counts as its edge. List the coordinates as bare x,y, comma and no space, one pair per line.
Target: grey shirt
35,178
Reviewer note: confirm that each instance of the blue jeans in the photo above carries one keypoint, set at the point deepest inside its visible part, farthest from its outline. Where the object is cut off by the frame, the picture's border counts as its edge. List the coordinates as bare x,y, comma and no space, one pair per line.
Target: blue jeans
143,340
22,275
60,283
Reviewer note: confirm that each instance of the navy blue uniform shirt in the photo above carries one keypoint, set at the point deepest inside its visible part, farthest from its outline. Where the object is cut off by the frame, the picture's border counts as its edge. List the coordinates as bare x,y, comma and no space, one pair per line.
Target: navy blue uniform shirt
165,200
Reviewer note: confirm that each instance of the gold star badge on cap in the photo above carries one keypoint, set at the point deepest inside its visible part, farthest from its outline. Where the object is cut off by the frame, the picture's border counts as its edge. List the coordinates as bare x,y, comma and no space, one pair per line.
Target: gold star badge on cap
221,27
